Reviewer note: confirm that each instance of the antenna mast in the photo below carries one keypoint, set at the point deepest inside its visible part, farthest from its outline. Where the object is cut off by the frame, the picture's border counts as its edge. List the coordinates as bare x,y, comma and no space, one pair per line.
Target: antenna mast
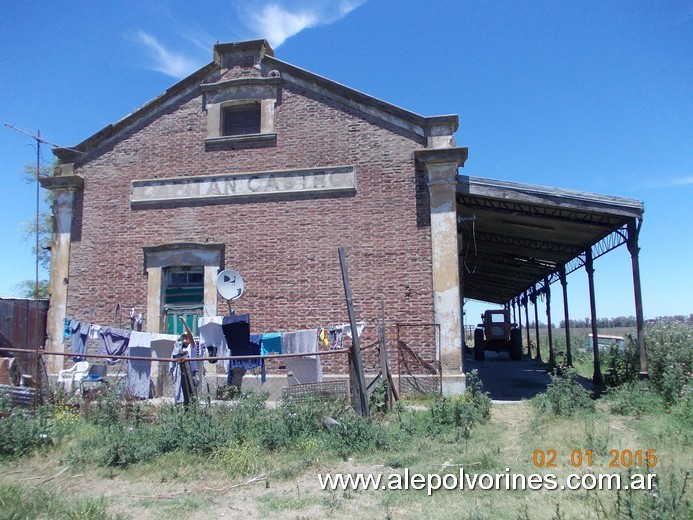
39,140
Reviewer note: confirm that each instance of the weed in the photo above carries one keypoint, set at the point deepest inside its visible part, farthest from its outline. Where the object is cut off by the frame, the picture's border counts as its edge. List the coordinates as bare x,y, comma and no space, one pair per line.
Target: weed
378,398
597,439
239,460
21,433
461,412
20,502
670,359
356,434
634,398
105,409
565,396
622,362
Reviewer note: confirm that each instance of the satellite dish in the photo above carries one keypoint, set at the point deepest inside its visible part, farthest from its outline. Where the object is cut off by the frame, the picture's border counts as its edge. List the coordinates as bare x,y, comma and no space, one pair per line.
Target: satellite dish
230,284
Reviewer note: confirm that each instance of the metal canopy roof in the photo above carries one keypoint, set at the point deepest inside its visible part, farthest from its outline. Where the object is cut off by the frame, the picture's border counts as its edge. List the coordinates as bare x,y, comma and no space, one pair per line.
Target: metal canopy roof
513,236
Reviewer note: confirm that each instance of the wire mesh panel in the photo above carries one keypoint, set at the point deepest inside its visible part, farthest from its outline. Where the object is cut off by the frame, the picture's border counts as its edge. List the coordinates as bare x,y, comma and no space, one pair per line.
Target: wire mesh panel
325,391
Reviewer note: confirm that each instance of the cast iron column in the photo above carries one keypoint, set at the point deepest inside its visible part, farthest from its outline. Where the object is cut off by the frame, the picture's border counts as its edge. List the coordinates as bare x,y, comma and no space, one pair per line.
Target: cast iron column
566,317
536,321
633,232
529,340
547,290
589,267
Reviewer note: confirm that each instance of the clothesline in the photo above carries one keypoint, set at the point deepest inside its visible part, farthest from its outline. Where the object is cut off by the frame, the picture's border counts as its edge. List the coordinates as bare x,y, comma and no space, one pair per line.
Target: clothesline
169,360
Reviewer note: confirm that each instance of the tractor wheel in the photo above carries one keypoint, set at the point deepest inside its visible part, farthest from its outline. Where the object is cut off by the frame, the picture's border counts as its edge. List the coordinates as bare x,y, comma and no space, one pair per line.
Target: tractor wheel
479,344
516,344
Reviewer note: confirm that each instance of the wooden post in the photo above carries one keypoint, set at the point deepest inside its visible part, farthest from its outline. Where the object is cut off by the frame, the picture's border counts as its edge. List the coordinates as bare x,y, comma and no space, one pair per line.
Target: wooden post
186,382
566,316
358,382
384,367
589,267
634,249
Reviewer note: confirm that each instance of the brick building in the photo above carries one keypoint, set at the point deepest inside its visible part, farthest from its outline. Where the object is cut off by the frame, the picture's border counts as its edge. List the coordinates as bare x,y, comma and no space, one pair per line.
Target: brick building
256,165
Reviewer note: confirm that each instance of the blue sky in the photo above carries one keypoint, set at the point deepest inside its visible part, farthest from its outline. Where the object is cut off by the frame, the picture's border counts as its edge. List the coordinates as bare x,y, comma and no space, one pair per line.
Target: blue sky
585,95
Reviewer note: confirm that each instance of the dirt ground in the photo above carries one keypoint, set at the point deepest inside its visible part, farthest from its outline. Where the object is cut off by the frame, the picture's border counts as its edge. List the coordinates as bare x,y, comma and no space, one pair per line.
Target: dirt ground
195,496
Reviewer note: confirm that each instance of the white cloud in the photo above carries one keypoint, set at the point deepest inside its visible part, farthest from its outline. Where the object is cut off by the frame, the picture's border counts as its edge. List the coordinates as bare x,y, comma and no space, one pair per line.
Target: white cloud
276,22
682,181
163,60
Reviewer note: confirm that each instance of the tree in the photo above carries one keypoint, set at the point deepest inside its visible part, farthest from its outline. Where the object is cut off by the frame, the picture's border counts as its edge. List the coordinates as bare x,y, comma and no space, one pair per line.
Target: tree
26,288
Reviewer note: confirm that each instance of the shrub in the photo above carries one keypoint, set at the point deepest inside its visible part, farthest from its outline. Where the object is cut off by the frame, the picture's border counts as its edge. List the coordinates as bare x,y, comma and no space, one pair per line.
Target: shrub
634,398
623,363
356,434
565,396
461,412
682,412
21,433
106,409
670,359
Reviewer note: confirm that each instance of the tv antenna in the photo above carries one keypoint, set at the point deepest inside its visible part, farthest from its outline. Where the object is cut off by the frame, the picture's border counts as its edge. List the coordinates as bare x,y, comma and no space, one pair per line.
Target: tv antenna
39,140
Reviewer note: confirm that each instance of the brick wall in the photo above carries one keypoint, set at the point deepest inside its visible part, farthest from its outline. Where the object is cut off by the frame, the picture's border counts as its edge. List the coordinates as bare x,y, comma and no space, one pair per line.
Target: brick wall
286,250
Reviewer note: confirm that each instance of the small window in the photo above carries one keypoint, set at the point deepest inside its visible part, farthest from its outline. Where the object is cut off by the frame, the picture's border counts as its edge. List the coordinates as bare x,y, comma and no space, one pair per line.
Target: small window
241,120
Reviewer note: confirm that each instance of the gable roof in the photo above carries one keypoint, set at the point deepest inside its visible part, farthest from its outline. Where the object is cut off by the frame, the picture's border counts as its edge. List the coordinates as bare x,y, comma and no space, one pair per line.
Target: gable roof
263,56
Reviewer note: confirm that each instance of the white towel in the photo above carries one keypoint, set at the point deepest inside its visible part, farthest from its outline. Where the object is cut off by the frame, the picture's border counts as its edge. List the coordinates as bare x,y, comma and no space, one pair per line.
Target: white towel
305,369
211,334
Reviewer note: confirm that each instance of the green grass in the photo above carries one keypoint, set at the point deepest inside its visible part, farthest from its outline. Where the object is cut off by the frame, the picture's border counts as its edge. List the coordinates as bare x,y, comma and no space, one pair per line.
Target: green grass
20,502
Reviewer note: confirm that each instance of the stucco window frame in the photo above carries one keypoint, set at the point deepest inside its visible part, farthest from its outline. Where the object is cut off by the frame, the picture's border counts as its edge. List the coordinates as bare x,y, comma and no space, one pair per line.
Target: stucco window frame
209,256
237,93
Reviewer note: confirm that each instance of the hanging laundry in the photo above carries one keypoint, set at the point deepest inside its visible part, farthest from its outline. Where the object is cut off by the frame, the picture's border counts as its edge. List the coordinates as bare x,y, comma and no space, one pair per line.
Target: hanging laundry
94,331
137,379
195,352
237,333
79,333
212,337
360,325
67,332
113,342
323,337
305,369
336,342
254,347
271,343
299,342
162,344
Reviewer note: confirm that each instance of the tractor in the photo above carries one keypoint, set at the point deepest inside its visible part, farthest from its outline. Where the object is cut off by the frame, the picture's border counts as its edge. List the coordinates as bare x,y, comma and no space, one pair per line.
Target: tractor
497,333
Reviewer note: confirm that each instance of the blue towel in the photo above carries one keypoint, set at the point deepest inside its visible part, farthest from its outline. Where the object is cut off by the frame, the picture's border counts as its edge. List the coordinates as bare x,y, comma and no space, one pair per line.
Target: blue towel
271,343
